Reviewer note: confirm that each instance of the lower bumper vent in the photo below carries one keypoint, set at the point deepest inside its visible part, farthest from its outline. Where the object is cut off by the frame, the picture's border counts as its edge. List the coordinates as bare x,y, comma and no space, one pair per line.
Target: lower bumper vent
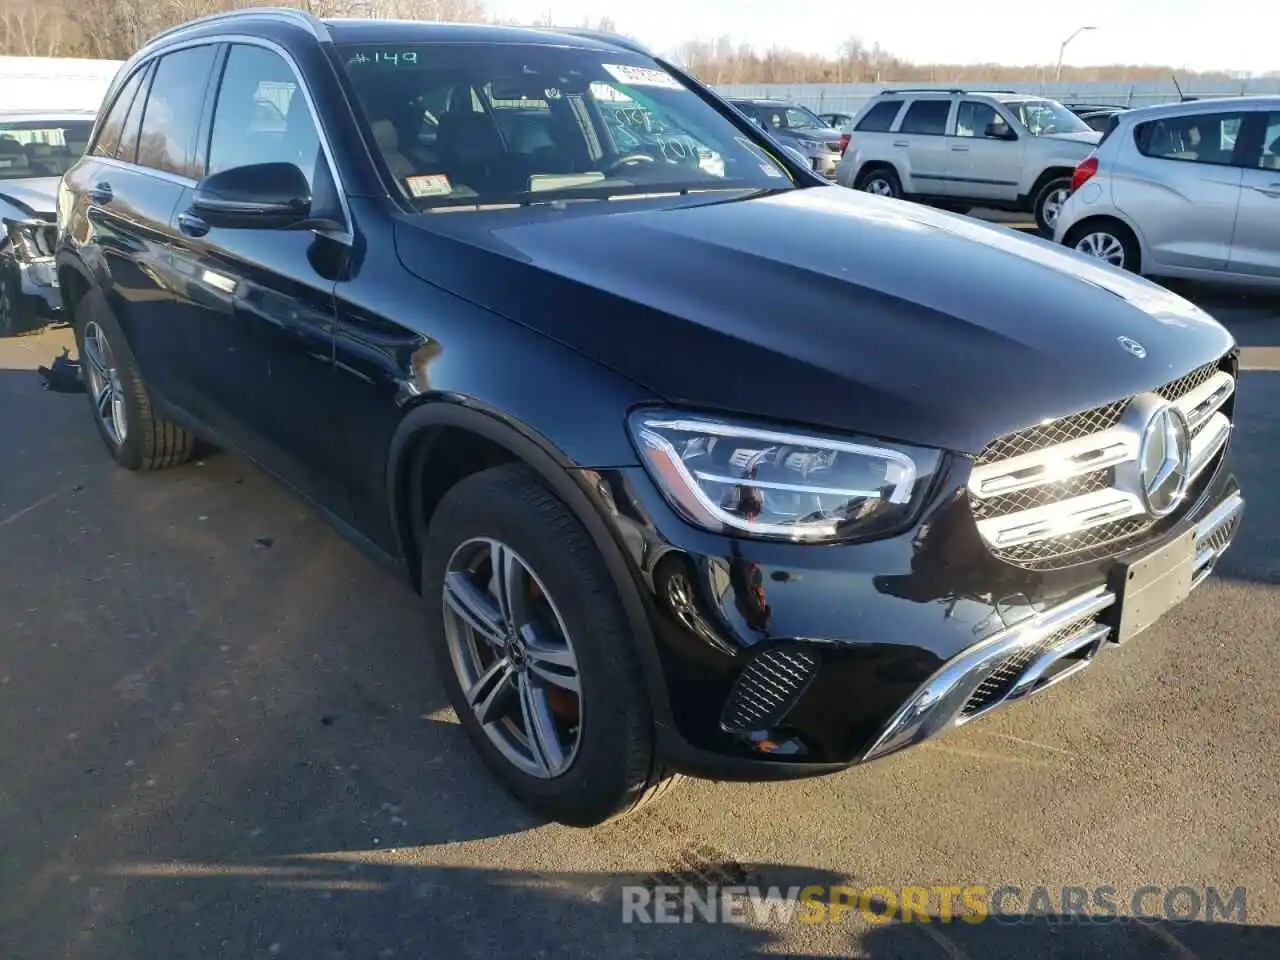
767,689
1068,647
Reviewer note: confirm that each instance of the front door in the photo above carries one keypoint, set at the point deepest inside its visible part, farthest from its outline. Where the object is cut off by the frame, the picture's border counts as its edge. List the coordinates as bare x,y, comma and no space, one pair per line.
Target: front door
1255,248
981,163
261,328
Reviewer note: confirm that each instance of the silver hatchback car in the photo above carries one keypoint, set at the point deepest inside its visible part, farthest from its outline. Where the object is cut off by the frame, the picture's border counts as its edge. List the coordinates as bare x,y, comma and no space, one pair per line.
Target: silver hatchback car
1188,190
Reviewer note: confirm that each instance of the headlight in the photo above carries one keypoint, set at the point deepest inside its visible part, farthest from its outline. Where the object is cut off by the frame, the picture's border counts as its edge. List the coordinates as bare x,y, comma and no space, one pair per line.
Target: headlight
31,239
750,480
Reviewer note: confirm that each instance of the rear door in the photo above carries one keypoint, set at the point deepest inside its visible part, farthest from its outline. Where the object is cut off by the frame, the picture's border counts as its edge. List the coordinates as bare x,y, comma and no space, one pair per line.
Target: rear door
920,146
138,175
259,307
980,165
1255,248
1179,182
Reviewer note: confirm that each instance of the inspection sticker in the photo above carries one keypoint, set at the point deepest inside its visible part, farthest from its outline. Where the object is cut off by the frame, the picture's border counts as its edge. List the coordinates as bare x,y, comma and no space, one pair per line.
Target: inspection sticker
642,76
770,170
429,185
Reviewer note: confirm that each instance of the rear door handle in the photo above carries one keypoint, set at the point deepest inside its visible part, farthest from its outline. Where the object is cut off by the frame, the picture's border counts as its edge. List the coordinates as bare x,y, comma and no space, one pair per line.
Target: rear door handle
960,149
192,225
101,193
902,143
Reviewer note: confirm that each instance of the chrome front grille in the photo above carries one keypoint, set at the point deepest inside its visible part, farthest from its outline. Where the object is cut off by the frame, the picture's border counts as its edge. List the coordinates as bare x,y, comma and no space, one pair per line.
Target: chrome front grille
1069,490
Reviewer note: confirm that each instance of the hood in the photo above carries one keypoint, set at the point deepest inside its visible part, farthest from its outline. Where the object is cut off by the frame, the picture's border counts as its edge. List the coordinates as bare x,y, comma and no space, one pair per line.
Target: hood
813,134
824,306
1088,137
31,196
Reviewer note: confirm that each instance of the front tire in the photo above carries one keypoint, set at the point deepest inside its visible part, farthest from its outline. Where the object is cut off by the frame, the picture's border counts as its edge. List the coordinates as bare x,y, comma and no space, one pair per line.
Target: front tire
1048,204
881,181
135,436
535,651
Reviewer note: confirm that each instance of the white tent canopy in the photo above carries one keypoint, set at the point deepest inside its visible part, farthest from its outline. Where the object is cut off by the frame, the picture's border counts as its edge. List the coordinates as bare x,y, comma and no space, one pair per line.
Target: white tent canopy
54,83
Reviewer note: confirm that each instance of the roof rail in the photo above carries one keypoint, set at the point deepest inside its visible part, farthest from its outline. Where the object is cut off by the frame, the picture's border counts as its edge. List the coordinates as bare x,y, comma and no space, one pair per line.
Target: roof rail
285,14
626,43
947,90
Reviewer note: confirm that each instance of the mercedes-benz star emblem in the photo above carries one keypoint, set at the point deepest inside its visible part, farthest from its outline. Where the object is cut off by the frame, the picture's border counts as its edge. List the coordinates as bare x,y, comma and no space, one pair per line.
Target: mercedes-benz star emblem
1132,347
1165,460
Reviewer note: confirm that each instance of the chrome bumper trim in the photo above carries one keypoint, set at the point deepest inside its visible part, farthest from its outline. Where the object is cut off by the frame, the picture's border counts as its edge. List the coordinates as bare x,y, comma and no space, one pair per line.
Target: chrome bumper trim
939,703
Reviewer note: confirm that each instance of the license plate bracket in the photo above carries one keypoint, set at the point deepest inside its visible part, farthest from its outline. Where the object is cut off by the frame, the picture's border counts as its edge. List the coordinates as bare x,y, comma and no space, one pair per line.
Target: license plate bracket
1148,587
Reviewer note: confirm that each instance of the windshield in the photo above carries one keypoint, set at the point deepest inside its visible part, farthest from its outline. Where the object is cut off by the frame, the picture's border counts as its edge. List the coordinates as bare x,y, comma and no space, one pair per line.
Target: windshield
523,123
41,148
1045,117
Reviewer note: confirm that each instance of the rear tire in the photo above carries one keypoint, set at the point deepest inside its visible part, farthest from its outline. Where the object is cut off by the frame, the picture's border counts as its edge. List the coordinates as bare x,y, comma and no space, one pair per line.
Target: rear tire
1107,240
1048,204
593,756
136,437
881,181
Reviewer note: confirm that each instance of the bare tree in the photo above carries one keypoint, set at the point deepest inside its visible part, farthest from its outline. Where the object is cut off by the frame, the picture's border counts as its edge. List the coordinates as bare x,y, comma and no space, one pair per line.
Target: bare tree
32,29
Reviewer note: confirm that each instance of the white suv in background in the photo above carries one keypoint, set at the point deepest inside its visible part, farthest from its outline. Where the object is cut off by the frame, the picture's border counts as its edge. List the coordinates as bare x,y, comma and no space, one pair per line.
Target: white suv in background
1189,190
962,149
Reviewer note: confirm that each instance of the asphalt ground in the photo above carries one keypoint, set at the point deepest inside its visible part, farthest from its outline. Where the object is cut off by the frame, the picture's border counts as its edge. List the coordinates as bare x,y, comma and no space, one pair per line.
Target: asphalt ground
222,738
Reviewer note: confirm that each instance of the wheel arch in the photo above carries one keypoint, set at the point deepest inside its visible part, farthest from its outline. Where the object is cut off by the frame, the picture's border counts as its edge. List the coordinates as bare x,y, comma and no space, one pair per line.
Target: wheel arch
440,428
1084,224
1047,175
870,166
74,283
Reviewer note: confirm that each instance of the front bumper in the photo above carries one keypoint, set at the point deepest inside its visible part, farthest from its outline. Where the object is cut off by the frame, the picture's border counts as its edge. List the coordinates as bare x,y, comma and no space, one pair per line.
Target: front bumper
781,660
32,291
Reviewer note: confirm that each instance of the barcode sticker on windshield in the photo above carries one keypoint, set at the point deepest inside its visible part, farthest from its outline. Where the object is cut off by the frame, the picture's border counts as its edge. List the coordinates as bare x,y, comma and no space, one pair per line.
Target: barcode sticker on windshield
642,76
429,185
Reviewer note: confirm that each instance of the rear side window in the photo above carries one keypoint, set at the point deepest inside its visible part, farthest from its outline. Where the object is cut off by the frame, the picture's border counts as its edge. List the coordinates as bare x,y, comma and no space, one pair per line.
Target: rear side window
113,125
927,117
1200,138
128,148
879,119
172,117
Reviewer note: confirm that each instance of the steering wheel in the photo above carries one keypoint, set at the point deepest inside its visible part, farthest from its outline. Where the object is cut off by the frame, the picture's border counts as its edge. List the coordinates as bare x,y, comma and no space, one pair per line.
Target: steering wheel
627,160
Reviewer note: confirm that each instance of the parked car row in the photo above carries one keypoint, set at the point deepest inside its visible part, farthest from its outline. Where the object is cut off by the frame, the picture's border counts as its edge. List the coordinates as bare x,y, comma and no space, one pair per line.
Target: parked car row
700,462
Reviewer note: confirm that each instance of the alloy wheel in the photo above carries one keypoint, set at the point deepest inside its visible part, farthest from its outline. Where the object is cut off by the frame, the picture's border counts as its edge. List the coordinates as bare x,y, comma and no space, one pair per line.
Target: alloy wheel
879,186
104,383
1053,206
1103,246
513,657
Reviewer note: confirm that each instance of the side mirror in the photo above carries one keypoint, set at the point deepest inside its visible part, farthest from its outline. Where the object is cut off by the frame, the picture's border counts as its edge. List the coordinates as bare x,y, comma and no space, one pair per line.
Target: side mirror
1000,131
260,196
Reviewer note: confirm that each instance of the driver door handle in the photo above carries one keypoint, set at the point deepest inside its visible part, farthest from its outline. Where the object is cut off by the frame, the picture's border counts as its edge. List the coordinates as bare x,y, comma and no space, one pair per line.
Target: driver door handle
960,149
902,143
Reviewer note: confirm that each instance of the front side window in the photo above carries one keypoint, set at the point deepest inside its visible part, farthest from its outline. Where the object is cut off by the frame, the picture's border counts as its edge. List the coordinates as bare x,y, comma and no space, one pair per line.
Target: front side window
41,148
879,119
973,119
1204,138
1044,118
468,125
927,117
172,115
261,116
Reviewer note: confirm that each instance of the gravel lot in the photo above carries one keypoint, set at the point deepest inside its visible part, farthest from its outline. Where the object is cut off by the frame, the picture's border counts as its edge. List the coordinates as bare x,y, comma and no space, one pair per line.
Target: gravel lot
222,739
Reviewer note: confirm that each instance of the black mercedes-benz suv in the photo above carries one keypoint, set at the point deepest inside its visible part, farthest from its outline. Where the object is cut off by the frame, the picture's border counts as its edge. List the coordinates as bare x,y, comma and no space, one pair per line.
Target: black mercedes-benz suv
700,463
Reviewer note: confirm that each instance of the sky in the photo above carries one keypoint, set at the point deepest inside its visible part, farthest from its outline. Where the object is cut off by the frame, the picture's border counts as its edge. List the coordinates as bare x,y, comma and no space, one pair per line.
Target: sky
1241,35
